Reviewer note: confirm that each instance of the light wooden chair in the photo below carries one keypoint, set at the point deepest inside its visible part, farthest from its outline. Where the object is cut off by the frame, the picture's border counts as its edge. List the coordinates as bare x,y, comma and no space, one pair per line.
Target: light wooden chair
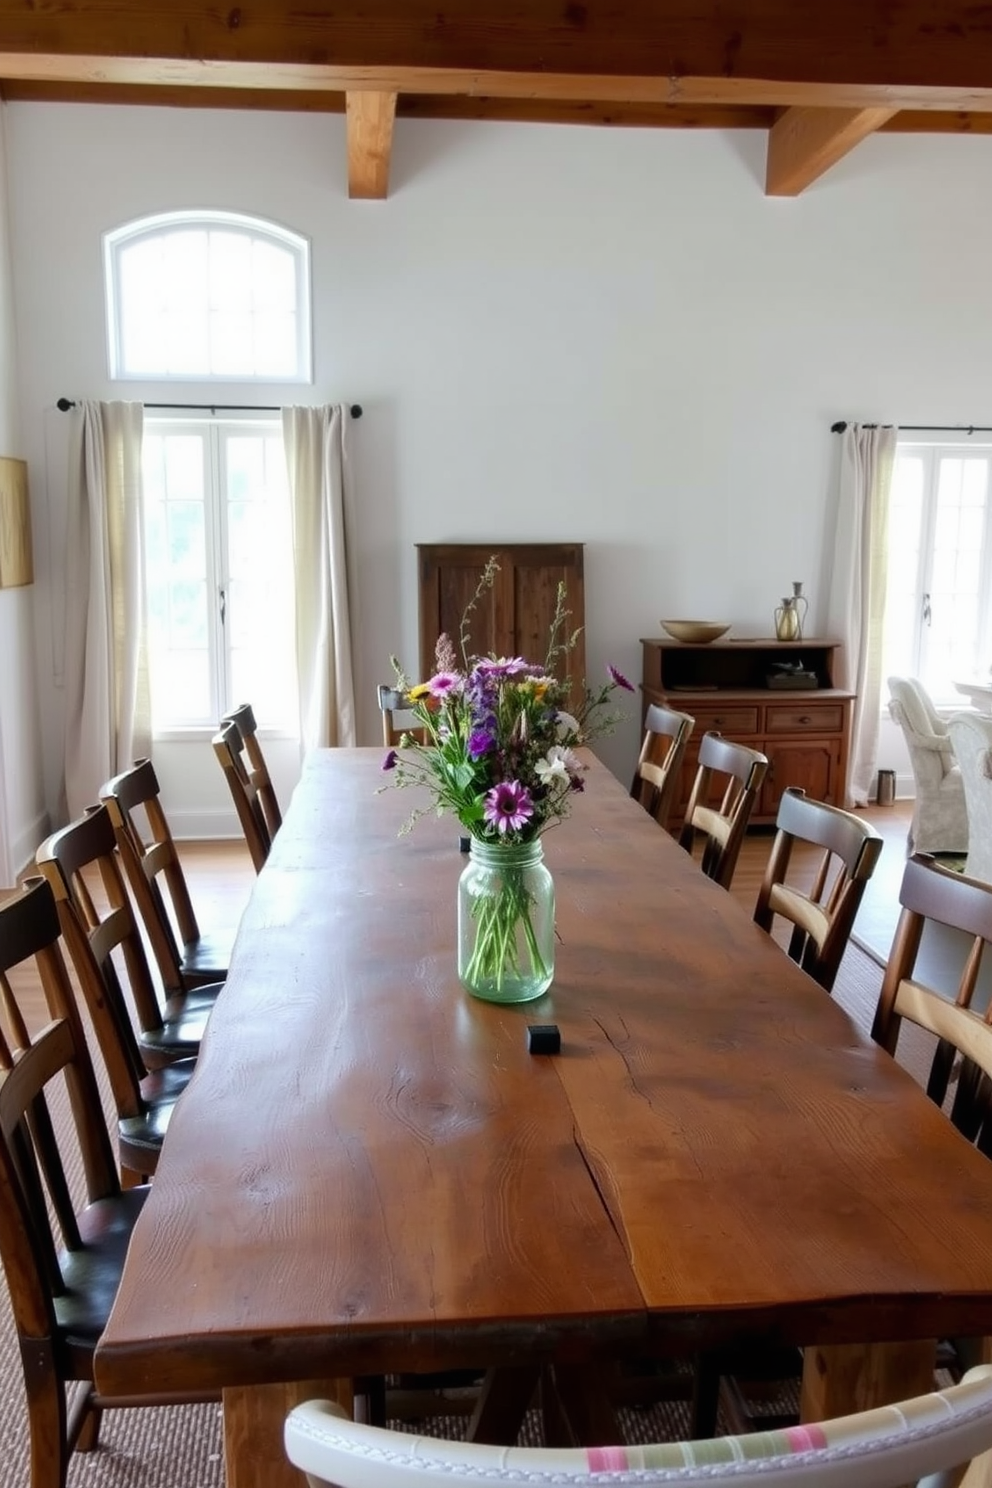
257,770
248,805
732,776
885,1448
393,701
824,915
656,777
185,957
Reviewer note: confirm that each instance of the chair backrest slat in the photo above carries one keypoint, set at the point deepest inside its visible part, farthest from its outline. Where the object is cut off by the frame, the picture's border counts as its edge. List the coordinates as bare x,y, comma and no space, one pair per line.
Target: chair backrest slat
723,826
659,764
243,719
227,747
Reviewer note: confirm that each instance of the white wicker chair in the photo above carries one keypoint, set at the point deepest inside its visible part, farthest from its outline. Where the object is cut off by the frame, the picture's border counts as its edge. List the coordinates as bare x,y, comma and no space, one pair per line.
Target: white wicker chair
971,736
940,818
897,1444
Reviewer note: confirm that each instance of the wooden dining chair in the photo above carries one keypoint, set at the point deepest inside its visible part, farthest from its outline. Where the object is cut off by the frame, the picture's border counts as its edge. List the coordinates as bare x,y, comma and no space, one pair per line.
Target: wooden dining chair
889,1447
731,776
145,1082
62,1264
929,893
227,747
256,768
656,776
82,864
933,894
823,916
186,958
393,701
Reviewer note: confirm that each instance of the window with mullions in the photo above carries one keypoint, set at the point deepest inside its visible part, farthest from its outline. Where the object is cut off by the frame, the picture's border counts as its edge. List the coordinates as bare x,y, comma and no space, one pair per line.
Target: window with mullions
938,619
208,295
219,572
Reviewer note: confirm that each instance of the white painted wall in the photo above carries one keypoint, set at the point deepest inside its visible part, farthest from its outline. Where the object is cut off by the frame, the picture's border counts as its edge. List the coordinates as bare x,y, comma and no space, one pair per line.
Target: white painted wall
609,336
22,802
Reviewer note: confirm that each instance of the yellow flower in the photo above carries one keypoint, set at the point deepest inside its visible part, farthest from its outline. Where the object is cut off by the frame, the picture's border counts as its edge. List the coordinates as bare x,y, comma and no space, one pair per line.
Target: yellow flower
420,691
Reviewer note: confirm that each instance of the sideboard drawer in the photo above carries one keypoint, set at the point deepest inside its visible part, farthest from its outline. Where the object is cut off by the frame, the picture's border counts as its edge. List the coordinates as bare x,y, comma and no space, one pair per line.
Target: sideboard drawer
732,720
798,718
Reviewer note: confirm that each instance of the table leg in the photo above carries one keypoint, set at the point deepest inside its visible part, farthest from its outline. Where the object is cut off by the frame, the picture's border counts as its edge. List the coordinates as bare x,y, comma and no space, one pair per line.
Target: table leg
840,1379
254,1416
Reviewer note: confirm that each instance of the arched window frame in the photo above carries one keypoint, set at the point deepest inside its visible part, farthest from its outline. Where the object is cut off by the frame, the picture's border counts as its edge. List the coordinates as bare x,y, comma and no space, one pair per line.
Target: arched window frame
115,245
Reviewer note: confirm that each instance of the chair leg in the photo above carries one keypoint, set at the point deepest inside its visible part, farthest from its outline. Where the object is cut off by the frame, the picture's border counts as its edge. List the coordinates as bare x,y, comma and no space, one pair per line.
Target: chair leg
705,1397
83,1430
47,1427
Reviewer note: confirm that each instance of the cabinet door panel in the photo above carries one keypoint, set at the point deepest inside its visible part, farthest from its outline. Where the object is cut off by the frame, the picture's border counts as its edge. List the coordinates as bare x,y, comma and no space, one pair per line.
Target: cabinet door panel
811,764
514,617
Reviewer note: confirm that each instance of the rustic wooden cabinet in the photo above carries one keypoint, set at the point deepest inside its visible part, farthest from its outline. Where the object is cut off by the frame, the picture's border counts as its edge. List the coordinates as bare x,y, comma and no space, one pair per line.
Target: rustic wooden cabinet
724,685
514,617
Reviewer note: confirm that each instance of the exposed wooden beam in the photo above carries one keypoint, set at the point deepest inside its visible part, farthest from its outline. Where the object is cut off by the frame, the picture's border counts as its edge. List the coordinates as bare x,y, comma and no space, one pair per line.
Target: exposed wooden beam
286,78
849,54
806,142
912,43
370,141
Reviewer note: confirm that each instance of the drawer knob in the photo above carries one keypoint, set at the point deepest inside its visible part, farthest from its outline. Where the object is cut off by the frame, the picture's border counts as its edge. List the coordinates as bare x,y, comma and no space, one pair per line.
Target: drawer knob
805,718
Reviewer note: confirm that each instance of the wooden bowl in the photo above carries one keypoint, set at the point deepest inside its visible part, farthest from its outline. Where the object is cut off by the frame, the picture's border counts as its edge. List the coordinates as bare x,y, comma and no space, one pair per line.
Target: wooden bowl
695,632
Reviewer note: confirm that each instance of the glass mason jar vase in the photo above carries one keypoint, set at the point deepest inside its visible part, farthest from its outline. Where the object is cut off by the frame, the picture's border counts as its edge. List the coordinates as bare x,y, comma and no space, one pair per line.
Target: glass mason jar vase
506,922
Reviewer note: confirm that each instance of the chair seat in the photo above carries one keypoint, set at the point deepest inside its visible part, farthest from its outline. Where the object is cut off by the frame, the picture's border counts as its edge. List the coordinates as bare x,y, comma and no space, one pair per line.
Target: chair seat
198,1000
92,1275
177,1038
205,960
140,1137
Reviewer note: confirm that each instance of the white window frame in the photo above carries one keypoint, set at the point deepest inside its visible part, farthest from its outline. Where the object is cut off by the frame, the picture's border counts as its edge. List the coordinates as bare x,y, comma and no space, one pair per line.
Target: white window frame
116,243
932,447
214,428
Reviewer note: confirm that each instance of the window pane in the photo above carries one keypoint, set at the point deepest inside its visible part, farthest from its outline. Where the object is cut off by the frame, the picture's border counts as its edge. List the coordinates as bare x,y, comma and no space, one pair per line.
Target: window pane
950,642
203,300
902,606
261,618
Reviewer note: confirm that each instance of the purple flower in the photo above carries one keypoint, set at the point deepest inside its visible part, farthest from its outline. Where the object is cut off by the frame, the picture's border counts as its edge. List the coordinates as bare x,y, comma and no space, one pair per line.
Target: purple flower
618,678
481,741
390,761
503,667
508,806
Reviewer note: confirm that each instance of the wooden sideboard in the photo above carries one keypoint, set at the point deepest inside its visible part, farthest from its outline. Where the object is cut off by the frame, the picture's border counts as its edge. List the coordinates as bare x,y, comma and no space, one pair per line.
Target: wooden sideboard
805,732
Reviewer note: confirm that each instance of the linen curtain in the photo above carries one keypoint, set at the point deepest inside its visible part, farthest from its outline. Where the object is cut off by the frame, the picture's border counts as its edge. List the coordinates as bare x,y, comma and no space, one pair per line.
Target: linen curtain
108,706
320,496
856,608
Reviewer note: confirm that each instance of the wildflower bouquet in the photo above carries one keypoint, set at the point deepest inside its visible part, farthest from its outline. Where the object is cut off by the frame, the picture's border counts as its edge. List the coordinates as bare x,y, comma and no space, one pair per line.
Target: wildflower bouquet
495,746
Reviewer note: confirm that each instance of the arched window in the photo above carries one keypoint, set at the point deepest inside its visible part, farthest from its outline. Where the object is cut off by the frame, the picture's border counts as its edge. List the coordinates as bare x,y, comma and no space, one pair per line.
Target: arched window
208,295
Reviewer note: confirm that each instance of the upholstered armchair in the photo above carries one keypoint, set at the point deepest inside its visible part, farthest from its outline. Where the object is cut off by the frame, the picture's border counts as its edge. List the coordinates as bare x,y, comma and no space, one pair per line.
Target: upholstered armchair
940,817
971,736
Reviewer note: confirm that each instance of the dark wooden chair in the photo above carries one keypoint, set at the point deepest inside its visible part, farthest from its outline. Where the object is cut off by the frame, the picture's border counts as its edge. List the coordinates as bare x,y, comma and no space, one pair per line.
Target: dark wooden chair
393,701
656,777
929,893
727,785
824,915
243,719
146,1077
186,958
62,1266
247,803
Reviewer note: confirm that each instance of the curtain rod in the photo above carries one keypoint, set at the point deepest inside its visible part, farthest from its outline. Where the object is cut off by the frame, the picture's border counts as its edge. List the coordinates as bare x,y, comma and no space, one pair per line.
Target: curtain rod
64,404
923,428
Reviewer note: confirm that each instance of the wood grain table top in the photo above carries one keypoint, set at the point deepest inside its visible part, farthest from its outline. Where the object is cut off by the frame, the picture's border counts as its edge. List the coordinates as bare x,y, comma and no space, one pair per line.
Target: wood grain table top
369,1171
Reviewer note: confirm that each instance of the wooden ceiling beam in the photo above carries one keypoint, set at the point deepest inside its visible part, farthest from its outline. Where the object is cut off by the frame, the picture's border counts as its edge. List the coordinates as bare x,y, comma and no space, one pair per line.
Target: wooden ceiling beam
370,118
903,44
285,78
804,143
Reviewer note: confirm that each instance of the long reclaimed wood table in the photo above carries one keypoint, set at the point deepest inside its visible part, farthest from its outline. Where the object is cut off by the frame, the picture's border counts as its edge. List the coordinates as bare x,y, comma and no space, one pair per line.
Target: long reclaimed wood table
369,1172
